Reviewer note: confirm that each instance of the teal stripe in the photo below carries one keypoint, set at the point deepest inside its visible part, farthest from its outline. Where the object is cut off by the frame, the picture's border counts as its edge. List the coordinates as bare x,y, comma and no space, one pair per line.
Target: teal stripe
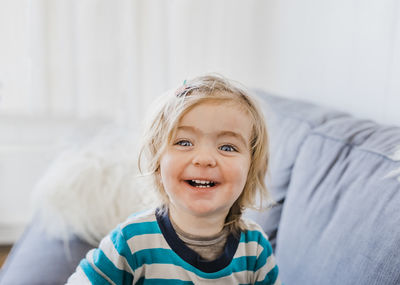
117,275
91,274
263,257
256,236
122,247
162,281
120,244
244,263
138,229
167,256
271,277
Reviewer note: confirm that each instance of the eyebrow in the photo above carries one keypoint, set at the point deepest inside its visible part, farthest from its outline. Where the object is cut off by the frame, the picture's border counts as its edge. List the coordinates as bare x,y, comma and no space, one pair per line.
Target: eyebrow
220,134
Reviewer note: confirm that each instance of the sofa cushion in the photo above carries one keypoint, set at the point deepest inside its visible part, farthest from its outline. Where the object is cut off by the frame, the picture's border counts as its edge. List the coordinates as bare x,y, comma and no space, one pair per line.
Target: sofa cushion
340,222
38,260
289,122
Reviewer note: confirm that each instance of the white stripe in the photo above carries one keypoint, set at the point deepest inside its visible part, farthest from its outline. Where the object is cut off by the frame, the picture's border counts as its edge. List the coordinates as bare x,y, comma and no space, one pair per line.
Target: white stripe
253,226
163,271
242,277
170,271
78,278
147,241
248,249
89,258
147,216
263,271
107,246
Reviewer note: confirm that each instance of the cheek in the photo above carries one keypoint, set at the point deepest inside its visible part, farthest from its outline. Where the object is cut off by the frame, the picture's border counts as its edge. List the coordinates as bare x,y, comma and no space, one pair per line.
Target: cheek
168,169
165,168
239,173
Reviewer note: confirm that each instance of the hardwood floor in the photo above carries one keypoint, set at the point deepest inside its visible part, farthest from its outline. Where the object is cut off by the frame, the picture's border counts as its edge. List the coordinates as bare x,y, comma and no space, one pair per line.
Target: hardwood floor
4,250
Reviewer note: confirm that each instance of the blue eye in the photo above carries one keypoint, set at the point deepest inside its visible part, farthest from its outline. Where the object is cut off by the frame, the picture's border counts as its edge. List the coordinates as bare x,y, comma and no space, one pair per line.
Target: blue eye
227,147
184,143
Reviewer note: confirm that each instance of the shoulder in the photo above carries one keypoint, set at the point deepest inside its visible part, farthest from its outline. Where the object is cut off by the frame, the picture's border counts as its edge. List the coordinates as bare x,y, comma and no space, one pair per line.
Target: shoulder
253,233
252,226
139,223
254,242
143,216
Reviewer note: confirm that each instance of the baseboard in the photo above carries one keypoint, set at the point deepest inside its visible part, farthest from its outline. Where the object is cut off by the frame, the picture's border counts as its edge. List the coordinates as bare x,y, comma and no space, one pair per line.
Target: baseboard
9,233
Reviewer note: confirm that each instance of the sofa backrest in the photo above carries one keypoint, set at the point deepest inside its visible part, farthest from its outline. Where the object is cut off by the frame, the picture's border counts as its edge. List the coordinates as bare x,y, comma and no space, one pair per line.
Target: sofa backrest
340,214
288,126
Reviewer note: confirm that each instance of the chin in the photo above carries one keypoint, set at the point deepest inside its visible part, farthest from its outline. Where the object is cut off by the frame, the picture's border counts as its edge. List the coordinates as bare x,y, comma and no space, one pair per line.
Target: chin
206,210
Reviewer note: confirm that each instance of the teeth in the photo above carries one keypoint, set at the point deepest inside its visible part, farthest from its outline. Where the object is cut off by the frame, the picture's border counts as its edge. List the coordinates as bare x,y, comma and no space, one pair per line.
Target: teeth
202,181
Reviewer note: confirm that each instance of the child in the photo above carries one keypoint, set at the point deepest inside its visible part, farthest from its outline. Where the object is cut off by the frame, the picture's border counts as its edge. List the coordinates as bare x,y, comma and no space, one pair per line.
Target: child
208,156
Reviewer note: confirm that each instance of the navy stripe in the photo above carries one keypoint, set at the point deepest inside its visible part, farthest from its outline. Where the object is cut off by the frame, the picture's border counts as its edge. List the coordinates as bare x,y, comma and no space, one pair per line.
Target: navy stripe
155,255
190,256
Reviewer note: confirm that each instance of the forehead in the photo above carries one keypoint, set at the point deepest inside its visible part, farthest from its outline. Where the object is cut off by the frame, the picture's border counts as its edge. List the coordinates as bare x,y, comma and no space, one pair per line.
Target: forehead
218,117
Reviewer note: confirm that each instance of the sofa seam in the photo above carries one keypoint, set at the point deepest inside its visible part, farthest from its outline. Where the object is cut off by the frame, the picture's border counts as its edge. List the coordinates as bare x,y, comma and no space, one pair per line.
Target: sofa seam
352,145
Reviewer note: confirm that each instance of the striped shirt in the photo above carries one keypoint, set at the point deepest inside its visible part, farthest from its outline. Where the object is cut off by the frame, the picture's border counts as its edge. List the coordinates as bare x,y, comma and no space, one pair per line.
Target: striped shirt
145,249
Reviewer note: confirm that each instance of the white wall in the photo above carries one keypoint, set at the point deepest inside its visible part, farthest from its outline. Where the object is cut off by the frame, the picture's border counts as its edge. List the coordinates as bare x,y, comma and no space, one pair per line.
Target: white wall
64,63
345,54
101,57
32,132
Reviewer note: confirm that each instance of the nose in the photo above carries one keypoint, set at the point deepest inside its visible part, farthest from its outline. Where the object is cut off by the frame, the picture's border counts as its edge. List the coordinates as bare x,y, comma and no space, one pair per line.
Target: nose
204,158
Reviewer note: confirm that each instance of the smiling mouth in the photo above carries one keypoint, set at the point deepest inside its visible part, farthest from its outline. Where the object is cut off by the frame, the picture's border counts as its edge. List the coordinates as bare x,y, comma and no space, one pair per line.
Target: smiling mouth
201,183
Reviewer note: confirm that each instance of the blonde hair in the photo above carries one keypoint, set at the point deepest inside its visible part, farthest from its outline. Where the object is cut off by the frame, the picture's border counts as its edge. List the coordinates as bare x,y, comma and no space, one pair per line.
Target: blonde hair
175,104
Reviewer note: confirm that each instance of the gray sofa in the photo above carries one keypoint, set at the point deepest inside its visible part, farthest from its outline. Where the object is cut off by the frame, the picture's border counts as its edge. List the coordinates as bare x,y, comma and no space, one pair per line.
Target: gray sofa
337,218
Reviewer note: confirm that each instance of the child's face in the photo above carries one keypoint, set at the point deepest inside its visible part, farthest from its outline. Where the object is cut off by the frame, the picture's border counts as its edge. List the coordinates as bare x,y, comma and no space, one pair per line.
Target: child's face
204,169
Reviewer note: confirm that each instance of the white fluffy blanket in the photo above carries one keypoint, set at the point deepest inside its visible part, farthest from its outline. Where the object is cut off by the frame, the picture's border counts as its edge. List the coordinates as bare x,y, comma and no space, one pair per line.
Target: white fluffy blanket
89,189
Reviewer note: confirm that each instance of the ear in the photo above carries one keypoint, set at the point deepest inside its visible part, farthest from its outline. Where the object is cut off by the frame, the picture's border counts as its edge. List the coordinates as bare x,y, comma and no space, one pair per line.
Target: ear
158,177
